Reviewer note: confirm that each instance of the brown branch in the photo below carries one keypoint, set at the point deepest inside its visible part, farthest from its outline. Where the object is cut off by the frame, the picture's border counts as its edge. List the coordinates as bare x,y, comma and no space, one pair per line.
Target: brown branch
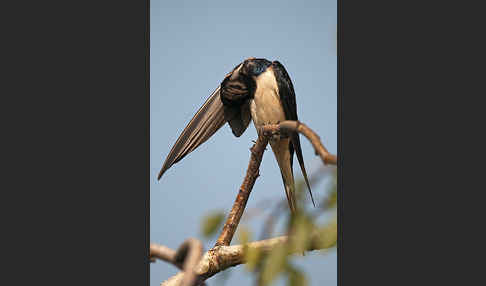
164,253
190,253
239,205
252,172
296,126
186,258
220,258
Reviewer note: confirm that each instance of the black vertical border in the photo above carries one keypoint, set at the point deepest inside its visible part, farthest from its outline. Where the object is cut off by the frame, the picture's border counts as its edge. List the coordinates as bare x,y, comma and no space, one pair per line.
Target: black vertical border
76,194
147,189
340,144
405,82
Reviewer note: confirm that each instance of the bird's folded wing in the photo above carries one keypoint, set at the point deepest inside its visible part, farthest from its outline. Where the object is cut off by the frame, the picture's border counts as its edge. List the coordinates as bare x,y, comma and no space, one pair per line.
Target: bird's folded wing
208,119
287,97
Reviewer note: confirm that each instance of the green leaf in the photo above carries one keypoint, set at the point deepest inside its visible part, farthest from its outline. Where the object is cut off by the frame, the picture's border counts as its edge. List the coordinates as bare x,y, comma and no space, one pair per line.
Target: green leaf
274,264
302,228
327,235
296,277
330,201
211,223
244,234
252,257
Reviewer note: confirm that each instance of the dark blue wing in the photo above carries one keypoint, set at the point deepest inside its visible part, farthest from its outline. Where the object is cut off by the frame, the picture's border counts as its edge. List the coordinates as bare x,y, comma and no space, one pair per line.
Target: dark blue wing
287,97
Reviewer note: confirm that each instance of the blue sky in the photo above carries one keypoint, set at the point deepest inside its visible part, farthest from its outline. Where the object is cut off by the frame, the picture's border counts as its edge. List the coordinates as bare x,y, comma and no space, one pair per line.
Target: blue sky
193,45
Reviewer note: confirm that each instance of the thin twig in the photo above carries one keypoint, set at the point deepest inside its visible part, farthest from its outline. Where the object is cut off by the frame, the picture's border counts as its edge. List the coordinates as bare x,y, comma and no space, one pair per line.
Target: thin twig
164,253
189,253
185,258
297,126
252,174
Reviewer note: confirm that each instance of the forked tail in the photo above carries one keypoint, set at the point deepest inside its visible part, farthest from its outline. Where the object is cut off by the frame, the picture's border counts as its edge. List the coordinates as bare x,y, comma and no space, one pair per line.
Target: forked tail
282,154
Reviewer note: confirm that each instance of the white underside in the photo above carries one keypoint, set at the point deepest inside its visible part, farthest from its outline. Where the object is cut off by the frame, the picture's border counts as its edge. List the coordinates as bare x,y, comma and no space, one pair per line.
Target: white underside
265,106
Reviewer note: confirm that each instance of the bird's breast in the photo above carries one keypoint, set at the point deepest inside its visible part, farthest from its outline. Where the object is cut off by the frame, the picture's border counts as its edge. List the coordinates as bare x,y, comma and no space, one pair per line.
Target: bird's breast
265,106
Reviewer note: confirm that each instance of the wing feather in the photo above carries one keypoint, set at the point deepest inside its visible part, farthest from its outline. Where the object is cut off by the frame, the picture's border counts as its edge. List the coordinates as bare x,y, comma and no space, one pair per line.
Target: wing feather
208,119
236,89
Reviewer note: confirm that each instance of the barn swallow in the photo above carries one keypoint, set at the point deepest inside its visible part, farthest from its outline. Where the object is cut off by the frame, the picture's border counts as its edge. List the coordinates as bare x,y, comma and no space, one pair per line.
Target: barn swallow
257,90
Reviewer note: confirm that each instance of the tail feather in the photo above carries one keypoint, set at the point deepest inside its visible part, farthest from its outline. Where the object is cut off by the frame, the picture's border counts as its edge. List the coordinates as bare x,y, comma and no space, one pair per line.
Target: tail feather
282,154
290,193
298,150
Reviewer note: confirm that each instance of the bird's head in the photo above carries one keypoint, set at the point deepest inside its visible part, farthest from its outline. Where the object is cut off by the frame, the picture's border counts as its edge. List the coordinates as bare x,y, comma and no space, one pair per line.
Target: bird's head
253,67
240,84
